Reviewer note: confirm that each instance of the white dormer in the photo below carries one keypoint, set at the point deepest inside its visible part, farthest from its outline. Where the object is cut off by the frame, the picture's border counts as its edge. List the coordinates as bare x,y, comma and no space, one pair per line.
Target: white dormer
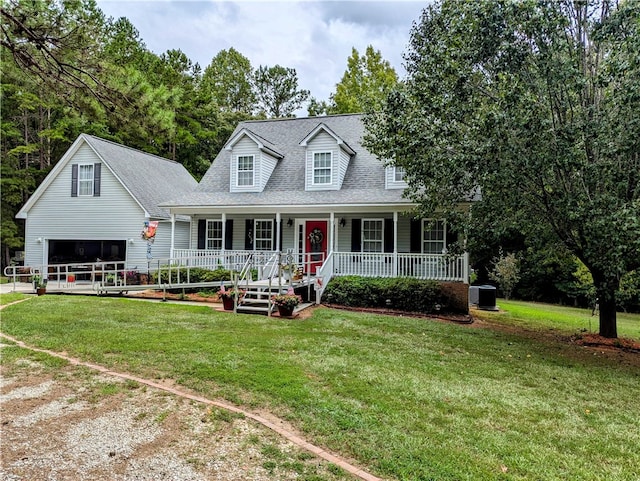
394,177
326,159
252,162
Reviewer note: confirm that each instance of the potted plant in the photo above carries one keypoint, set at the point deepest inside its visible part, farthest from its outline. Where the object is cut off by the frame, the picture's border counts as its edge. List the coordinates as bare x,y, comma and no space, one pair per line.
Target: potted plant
227,297
39,284
286,303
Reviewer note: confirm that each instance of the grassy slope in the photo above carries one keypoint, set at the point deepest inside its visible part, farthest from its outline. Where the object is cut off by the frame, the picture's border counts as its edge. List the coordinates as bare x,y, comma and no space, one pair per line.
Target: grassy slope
549,316
409,398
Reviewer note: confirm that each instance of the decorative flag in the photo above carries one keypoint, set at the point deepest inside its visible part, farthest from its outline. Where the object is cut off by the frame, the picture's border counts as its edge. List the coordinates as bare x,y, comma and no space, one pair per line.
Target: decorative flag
149,230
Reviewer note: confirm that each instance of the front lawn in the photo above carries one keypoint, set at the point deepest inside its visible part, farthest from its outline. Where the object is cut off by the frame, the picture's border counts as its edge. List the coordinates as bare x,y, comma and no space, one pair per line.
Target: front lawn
408,398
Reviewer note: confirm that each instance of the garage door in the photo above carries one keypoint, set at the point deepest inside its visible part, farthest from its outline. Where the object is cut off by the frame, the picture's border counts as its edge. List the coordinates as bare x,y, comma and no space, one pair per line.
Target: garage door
72,251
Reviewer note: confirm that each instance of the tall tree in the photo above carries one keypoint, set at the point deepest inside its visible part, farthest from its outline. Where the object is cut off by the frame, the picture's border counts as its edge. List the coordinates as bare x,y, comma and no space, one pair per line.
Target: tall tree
537,106
277,91
229,79
365,84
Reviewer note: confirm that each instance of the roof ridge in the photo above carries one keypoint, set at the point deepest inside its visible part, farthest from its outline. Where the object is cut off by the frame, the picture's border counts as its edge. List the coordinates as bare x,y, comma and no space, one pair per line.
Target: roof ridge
309,117
130,148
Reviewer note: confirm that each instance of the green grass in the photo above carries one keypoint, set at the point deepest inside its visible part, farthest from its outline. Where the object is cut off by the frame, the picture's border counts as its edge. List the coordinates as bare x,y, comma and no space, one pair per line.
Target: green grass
549,316
409,399
11,297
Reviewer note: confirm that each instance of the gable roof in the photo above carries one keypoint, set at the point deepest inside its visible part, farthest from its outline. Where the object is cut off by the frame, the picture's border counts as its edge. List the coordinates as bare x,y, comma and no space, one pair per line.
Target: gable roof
363,185
263,144
148,178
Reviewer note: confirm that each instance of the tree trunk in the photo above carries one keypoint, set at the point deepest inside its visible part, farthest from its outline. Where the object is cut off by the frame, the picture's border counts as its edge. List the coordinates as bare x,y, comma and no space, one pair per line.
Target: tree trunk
606,291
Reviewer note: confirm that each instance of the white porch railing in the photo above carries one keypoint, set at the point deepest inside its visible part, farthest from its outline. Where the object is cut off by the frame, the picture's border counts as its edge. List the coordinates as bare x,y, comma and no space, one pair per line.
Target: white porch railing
421,266
438,267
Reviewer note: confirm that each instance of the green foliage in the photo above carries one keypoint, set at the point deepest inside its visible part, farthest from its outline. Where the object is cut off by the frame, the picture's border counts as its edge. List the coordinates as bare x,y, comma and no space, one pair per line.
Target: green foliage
534,105
277,92
506,272
404,294
228,79
194,274
628,296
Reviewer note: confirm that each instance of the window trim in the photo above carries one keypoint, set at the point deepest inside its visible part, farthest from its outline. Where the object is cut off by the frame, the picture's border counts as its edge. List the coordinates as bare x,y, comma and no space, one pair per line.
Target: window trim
89,180
253,170
395,174
444,235
314,168
363,240
213,239
255,235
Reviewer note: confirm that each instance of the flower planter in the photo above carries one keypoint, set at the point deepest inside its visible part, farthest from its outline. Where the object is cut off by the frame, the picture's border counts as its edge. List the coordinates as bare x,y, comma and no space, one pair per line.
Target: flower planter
41,291
285,311
227,303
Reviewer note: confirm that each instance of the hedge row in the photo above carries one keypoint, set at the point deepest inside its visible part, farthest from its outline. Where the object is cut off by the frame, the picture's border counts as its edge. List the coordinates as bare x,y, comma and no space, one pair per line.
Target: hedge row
195,274
402,293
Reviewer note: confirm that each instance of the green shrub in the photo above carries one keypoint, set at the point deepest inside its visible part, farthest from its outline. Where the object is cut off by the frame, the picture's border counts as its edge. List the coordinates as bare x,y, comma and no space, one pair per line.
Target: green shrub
195,274
403,293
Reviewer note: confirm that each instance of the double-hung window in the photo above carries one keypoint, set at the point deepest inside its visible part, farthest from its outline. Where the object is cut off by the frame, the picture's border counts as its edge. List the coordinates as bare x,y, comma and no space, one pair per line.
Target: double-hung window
214,234
263,235
246,170
372,235
433,237
398,174
85,179
322,168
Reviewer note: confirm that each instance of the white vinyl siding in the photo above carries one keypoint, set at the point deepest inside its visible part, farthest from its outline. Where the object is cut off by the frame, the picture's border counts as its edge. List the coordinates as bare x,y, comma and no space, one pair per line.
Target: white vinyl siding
372,235
322,168
433,237
114,215
263,235
214,234
394,178
85,180
246,170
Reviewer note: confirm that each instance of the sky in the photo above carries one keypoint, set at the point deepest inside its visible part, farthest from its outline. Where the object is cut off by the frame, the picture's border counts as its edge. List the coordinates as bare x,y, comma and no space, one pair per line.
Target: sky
315,38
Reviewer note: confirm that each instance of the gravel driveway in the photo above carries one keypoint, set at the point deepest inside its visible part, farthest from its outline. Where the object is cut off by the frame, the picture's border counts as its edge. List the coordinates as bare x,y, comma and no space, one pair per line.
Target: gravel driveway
63,422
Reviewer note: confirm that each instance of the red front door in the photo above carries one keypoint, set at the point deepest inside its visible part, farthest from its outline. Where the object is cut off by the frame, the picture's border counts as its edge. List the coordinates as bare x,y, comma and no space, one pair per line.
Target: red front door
315,246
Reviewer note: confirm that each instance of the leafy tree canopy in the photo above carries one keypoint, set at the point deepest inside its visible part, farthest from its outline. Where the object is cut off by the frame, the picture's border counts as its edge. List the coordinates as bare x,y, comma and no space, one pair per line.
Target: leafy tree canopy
277,91
537,106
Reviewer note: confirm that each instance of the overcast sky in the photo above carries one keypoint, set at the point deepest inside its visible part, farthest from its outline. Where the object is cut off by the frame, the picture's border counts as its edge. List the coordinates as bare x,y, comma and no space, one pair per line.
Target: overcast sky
315,38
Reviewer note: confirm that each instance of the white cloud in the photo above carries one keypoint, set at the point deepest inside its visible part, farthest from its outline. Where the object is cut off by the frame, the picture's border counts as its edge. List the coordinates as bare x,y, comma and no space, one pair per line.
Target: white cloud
315,38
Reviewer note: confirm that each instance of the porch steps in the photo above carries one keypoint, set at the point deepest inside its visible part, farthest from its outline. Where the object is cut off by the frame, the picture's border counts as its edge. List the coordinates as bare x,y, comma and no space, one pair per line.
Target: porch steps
256,299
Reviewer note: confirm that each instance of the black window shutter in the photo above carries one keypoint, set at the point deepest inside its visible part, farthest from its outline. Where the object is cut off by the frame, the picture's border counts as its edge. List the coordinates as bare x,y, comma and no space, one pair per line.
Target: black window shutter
202,234
97,172
356,235
416,236
450,235
281,234
74,180
248,235
228,234
388,235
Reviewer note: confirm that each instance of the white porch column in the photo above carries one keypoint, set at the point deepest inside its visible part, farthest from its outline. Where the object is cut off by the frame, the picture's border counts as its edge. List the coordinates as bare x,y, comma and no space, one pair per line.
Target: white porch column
395,244
224,231
278,221
173,235
332,231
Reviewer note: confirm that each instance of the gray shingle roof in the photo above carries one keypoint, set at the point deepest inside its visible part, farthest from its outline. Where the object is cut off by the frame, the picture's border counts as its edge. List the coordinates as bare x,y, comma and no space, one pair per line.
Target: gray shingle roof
364,182
149,178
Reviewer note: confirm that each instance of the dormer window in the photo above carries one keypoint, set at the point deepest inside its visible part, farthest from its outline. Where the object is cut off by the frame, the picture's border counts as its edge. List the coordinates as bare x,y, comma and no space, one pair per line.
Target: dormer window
322,168
245,170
